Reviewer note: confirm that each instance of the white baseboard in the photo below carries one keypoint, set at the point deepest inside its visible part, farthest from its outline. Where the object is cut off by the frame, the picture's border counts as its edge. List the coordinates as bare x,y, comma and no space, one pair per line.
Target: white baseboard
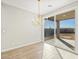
5,50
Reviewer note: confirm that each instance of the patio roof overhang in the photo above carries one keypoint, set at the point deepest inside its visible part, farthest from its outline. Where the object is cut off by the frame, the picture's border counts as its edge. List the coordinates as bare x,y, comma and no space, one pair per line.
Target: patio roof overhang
63,16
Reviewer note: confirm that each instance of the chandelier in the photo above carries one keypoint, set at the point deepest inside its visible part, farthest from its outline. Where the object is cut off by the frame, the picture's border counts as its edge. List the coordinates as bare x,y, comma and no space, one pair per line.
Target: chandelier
38,19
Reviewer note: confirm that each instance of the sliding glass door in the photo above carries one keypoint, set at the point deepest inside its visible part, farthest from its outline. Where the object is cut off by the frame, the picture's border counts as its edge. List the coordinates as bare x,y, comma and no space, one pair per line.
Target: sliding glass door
49,29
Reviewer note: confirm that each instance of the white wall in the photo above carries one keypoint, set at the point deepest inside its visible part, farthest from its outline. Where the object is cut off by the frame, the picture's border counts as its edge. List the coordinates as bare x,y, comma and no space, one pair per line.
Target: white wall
17,28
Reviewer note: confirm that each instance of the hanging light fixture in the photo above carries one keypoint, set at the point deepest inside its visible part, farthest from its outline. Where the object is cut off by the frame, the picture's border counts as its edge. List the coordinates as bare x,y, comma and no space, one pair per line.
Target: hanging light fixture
37,21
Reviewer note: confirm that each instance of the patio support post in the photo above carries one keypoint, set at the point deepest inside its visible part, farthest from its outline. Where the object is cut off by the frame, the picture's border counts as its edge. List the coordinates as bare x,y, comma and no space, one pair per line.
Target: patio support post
55,27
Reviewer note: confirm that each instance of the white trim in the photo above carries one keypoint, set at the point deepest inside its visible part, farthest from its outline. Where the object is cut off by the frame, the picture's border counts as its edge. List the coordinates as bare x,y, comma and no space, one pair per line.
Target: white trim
20,46
76,30
42,29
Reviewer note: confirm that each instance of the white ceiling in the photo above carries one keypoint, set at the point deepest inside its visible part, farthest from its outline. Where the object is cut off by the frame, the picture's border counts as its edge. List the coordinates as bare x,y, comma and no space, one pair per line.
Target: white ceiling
32,5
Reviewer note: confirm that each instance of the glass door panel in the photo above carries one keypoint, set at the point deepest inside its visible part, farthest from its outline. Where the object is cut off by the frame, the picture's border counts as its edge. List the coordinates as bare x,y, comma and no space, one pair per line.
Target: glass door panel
48,29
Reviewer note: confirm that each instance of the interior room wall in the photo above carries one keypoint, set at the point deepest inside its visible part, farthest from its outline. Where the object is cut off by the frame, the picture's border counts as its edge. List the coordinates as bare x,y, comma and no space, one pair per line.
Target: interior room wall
17,28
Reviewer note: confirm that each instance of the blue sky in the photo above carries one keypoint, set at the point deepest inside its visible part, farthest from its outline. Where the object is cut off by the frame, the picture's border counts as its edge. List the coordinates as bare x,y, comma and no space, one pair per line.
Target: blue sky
63,24
48,24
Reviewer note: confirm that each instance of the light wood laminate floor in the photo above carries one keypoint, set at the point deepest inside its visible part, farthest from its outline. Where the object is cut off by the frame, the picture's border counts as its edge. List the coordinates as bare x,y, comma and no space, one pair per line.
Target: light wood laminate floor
28,52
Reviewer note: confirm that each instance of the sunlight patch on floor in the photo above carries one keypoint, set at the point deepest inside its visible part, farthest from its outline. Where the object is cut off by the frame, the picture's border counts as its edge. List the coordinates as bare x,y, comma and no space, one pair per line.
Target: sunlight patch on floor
58,43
